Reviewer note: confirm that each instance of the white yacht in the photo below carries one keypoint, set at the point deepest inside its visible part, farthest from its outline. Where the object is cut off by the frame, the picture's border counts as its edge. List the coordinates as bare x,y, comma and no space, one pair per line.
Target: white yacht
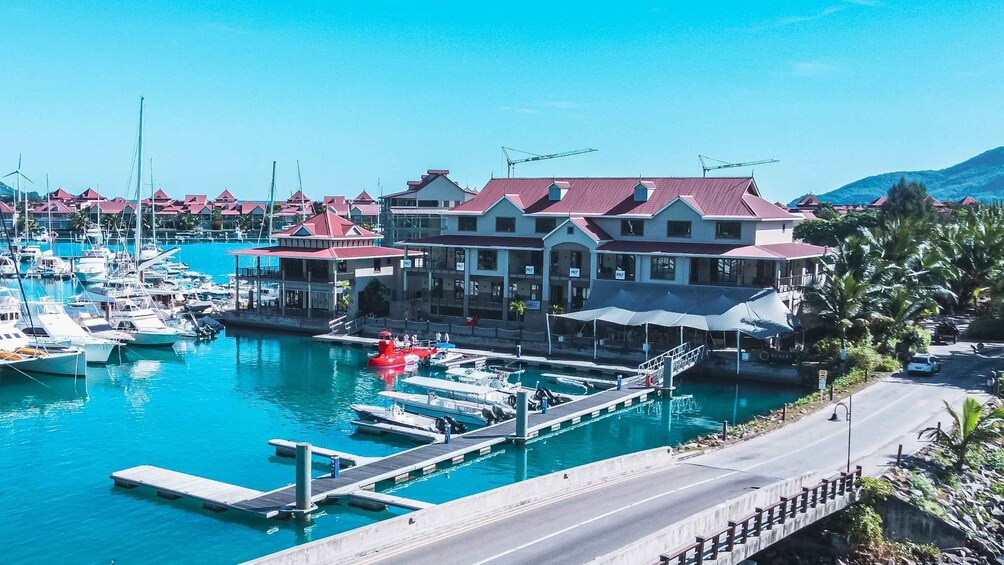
94,235
142,322
149,251
49,323
17,353
8,266
92,267
99,327
29,253
49,265
463,411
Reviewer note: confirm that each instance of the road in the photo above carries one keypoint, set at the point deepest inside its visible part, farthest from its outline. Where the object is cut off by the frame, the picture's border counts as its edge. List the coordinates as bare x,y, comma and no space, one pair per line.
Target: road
578,527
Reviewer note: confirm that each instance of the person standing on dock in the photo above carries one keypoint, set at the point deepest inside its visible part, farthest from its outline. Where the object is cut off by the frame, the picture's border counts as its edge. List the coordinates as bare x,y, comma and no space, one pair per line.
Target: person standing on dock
439,337
446,337
414,340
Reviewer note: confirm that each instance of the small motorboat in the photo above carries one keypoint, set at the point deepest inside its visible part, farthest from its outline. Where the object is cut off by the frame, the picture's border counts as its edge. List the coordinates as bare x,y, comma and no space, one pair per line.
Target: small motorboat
397,416
464,411
389,354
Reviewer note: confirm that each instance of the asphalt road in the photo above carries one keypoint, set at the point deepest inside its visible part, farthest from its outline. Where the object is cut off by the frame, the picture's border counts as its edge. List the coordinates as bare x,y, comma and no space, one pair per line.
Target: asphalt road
580,526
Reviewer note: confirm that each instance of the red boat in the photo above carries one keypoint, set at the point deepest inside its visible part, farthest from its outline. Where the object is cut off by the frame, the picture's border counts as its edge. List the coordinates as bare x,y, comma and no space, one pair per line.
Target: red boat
389,355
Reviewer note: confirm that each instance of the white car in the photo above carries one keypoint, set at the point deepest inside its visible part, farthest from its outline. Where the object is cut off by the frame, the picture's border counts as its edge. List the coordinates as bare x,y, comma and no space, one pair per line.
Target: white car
924,364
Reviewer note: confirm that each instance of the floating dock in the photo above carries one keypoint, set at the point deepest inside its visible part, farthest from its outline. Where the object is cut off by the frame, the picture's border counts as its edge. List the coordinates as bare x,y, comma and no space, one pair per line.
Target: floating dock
358,482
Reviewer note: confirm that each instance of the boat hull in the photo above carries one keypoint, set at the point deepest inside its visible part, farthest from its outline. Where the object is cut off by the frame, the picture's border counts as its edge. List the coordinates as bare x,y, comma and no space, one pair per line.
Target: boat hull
67,364
154,339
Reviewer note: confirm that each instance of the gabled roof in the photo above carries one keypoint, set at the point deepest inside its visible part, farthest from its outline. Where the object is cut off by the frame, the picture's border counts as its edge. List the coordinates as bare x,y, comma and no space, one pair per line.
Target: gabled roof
591,228
365,209
429,176
60,194
195,199
6,208
298,197
225,196
327,224
808,200
55,207
337,203
250,207
714,197
878,202
89,194
968,201
160,195
113,206
363,197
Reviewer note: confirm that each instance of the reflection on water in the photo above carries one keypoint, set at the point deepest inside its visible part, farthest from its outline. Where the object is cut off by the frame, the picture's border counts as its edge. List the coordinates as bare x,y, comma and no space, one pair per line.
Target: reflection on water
27,398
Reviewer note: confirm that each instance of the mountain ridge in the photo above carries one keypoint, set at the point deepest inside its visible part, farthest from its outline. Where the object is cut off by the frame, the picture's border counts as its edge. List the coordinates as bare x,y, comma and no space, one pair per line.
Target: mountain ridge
981,177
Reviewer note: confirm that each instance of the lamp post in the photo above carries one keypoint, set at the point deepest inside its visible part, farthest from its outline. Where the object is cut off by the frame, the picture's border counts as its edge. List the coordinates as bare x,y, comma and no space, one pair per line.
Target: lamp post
836,418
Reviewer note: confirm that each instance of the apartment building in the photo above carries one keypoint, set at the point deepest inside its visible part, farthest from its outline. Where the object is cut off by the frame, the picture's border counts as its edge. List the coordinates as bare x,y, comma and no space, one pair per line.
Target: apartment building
420,210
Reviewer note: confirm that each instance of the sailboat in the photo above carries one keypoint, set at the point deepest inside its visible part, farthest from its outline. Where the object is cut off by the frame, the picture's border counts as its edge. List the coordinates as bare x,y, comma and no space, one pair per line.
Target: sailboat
150,250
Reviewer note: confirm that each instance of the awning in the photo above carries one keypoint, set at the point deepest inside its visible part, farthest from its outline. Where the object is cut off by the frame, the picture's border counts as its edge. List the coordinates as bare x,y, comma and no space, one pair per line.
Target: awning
753,311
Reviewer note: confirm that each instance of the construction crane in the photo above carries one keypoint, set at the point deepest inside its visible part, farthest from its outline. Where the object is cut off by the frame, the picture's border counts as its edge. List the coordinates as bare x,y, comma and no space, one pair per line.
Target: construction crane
535,157
726,165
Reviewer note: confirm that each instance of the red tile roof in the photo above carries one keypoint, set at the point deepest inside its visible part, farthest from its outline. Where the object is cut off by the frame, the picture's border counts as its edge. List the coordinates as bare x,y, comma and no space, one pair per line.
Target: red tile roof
195,199
113,206
331,253
878,202
363,197
298,197
56,207
719,196
739,251
89,194
366,209
968,201
327,224
60,194
225,196
479,241
6,208
591,228
338,203
250,207
429,176
808,200
160,195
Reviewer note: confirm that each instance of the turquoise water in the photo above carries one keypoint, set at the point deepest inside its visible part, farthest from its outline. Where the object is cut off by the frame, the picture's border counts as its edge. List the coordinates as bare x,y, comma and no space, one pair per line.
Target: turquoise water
209,409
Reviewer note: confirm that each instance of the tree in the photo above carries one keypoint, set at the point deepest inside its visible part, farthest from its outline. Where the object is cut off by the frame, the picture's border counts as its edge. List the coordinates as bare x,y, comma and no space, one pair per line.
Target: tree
518,306
245,222
148,222
26,223
216,217
908,199
976,426
374,299
186,221
80,220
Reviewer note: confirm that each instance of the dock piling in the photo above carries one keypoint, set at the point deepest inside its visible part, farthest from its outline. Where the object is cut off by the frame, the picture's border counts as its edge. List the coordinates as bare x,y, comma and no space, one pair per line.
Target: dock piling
620,382
303,459
543,405
522,416
448,431
336,465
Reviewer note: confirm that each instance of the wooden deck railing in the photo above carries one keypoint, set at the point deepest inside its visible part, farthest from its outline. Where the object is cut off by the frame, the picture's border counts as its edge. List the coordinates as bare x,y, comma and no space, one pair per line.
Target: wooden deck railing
738,532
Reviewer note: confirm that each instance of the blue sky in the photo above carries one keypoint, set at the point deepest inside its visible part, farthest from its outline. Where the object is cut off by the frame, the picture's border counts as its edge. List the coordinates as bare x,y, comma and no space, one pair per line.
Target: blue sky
358,91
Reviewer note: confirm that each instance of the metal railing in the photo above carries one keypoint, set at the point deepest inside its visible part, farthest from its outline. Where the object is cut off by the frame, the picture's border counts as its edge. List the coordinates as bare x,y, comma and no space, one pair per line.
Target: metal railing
684,361
787,284
738,532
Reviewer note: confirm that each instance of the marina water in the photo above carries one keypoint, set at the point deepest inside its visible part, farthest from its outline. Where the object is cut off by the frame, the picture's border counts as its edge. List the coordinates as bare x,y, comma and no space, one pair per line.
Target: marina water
209,409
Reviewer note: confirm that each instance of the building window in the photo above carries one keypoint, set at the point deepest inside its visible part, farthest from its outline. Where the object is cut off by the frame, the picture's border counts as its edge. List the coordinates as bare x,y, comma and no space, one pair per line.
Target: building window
727,271
505,225
487,259
496,292
428,203
728,230
458,289
570,230
544,225
467,223
632,227
664,268
677,229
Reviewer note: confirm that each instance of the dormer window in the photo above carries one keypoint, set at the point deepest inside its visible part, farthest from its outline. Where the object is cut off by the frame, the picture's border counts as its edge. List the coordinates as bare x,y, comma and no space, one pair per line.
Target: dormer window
557,191
643,191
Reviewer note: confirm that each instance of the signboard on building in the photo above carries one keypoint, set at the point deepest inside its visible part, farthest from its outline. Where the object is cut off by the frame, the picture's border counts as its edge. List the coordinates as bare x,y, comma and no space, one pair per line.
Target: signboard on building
529,270
822,379
619,274
533,304
573,272
407,263
460,265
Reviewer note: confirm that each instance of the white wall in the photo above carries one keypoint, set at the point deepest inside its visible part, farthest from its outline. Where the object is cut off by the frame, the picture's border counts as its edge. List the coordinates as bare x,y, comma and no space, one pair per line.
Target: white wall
774,232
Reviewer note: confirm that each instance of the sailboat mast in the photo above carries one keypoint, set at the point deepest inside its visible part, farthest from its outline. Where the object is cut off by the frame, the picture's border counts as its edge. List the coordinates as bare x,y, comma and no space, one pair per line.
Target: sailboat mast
139,176
48,206
271,201
299,181
153,208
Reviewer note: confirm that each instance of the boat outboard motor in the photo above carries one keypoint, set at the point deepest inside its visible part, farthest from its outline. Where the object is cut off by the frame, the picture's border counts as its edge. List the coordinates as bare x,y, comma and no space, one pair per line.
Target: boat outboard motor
456,426
500,414
489,416
552,398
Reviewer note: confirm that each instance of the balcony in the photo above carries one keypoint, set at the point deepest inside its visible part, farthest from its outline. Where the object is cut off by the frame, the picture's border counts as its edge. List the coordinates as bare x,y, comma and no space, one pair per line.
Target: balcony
569,273
797,282
267,273
525,271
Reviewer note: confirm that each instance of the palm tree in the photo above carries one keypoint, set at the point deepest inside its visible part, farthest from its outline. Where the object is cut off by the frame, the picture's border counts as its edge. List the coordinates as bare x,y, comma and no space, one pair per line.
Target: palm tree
850,293
80,220
977,425
519,307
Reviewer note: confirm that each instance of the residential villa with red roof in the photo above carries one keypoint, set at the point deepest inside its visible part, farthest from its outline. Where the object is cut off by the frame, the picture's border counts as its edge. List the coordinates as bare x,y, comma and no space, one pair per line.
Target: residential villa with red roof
419,211
548,241
320,265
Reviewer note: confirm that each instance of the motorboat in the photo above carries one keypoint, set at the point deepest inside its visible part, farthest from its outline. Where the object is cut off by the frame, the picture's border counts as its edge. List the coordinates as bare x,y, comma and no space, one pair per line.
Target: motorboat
503,396
463,411
48,322
92,267
142,322
391,354
396,415
445,358
149,251
99,327
8,266
29,253
18,353
49,265
94,235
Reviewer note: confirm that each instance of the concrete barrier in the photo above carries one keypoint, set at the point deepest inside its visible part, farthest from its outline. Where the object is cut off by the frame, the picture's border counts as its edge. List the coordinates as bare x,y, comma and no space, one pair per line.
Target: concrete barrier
648,549
395,532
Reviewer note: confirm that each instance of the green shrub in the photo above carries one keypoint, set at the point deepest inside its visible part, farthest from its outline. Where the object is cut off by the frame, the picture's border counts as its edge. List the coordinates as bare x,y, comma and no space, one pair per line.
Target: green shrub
864,527
863,357
916,339
889,364
992,329
874,491
828,347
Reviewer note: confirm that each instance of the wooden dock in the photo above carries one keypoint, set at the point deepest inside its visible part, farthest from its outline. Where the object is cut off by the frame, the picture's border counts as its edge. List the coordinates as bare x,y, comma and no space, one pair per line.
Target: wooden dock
286,448
393,469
